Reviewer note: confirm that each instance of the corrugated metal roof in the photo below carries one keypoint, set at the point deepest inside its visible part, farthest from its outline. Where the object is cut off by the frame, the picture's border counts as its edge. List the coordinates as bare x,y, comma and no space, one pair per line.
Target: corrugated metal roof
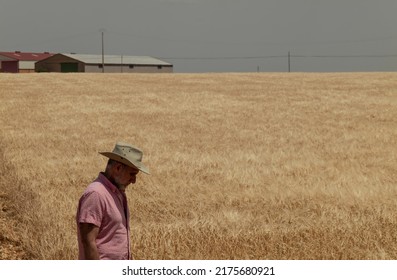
117,59
5,58
26,56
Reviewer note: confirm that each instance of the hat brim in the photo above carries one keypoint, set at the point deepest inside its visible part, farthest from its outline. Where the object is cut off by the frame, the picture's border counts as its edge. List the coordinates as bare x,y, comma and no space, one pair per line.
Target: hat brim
135,164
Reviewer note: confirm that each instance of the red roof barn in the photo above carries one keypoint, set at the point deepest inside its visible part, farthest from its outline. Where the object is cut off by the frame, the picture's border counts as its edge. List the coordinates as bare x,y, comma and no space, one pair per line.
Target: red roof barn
20,62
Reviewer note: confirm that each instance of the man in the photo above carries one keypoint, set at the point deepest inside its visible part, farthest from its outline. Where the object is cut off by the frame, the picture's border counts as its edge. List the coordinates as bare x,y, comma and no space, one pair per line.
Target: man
103,215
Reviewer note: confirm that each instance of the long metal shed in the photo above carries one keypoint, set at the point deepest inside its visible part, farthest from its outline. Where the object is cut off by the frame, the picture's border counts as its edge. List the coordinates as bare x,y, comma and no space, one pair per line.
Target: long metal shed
20,62
90,63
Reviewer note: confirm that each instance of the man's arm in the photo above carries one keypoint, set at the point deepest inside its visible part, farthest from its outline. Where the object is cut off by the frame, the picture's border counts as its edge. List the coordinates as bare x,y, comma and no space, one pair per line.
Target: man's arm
89,233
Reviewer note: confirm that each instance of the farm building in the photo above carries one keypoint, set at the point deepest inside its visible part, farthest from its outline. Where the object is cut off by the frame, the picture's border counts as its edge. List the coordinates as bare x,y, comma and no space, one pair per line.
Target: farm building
89,63
20,62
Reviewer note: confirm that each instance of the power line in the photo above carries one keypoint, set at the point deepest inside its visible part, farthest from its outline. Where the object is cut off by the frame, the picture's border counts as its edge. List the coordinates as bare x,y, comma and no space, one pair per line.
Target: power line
224,57
346,56
256,42
281,56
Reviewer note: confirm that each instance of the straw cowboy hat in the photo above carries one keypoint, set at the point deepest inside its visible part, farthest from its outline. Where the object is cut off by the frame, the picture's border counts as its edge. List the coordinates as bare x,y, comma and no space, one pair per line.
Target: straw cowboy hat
127,154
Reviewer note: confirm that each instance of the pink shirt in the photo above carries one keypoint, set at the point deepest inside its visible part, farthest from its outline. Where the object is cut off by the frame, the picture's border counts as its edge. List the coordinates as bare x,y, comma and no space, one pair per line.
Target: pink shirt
103,205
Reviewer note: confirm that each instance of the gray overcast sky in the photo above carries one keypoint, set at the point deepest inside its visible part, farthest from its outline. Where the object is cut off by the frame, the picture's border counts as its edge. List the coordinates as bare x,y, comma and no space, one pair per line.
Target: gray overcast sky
212,35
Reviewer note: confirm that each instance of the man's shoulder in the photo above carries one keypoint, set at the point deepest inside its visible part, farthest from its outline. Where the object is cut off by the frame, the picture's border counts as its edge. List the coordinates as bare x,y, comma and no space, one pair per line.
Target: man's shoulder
95,187
95,192
99,187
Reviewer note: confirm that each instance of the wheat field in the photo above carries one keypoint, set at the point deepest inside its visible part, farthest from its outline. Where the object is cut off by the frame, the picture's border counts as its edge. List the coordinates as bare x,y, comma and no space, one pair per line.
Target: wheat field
243,165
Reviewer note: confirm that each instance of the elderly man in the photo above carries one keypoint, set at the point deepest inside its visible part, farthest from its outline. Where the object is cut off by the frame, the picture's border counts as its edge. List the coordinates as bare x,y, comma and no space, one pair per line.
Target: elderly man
103,215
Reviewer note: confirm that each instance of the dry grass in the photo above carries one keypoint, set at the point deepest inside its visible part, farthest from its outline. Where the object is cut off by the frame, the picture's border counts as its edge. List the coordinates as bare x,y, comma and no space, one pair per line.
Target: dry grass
244,166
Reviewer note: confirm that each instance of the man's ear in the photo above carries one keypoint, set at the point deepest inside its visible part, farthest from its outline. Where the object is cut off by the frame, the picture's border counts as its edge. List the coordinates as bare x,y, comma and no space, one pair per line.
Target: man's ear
119,166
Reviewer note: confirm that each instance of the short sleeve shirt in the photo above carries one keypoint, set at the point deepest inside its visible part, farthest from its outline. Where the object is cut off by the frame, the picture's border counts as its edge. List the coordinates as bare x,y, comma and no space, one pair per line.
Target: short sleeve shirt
103,205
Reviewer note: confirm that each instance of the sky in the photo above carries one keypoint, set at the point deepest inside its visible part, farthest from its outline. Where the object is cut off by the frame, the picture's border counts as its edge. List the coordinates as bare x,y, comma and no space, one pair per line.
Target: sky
212,35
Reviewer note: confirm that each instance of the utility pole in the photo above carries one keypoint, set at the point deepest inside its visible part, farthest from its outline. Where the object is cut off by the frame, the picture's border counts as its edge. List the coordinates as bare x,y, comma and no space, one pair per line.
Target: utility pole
289,62
103,50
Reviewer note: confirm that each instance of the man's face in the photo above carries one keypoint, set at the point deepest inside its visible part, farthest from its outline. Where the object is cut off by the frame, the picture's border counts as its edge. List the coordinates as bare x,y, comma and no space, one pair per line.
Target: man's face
124,176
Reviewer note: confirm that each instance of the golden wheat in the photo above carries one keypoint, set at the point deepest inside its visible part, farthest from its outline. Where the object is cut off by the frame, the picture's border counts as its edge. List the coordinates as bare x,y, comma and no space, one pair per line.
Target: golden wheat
244,166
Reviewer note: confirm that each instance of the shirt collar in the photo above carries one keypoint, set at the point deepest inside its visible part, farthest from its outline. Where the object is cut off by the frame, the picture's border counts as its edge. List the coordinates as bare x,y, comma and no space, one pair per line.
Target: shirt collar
105,181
